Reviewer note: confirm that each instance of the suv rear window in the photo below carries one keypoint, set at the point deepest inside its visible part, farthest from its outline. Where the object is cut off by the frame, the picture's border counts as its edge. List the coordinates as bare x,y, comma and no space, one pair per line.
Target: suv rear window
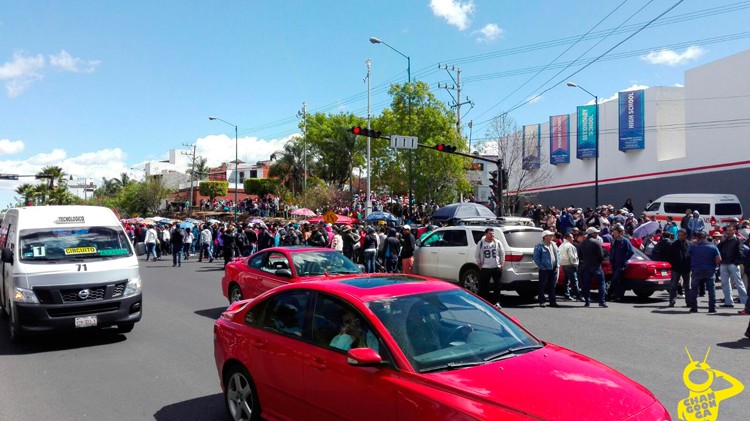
523,238
728,209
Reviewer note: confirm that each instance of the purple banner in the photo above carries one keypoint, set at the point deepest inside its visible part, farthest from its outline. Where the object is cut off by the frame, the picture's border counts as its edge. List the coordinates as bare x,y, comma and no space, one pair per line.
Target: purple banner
559,139
532,146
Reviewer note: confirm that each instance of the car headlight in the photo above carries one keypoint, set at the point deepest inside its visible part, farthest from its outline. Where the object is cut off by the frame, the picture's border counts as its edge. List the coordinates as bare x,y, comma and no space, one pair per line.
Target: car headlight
133,287
23,295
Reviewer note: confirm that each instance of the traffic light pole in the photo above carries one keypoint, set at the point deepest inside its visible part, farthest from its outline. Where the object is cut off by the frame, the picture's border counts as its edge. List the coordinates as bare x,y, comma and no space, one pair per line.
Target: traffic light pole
500,184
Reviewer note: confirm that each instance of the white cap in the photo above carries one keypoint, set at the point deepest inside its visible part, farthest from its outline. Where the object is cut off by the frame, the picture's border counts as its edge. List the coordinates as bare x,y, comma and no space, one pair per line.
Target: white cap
546,233
592,230
407,227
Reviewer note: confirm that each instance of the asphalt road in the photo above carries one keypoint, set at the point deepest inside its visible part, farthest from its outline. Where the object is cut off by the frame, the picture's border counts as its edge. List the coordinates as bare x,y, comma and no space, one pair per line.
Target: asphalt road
164,368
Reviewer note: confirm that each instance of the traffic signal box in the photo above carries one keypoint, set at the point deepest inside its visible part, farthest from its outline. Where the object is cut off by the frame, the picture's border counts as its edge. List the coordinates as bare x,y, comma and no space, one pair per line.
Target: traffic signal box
364,131
442,147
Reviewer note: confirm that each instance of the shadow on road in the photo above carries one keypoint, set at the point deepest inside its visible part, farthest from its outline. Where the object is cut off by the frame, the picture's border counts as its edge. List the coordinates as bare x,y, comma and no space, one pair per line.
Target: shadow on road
58,341
198,409
211,313
743,343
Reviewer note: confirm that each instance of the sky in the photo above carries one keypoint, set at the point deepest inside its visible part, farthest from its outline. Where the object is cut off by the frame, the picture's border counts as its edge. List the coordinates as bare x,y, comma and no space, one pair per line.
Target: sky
101,87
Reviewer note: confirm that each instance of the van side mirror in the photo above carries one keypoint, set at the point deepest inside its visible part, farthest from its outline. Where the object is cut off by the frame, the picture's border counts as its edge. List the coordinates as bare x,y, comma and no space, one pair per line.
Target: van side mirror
7,255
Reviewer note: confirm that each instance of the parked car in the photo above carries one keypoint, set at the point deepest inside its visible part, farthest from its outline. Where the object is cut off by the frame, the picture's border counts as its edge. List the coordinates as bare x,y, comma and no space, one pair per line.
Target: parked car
448,253
643,275
402,347
247,277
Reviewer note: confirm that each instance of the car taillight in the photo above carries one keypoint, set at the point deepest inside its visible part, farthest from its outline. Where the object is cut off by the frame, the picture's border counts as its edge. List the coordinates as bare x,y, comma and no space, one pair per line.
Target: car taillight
512,257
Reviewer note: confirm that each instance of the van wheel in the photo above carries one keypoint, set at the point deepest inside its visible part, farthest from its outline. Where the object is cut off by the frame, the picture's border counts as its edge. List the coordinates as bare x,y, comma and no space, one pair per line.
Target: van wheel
14,334
470,280
642,293
125,327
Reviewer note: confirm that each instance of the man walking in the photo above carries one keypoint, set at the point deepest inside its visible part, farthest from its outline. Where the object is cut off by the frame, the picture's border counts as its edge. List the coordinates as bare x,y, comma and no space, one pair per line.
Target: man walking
205,241
730,249
150,240
619,255
592,256
680,261
569,265
490,256
176,237
547,259
408,244
704,258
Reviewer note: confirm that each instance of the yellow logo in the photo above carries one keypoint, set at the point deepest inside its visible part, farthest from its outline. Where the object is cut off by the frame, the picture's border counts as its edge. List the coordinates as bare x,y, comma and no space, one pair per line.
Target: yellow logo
703,401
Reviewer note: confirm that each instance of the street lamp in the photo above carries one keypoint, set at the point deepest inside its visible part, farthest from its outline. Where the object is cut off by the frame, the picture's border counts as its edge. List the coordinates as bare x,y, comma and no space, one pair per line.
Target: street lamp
236,163
375,40
596,147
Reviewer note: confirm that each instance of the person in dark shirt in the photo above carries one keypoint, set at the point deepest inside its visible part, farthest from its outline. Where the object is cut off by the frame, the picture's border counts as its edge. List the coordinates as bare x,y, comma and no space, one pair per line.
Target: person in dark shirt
680,261
731,257
408,244
620,253
591,257
176,237
392,249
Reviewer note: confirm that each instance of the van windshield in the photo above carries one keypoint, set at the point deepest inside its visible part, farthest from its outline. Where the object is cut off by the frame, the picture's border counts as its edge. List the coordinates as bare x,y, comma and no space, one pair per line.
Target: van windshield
61,244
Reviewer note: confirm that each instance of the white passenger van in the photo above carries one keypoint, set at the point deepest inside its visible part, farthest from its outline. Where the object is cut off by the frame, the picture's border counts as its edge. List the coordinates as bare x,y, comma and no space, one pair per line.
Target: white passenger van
67,267
723,207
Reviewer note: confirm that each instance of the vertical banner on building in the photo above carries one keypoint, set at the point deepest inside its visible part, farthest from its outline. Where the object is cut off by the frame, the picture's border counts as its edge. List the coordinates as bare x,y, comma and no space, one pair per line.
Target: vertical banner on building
632,133
586,142
532,146
559,139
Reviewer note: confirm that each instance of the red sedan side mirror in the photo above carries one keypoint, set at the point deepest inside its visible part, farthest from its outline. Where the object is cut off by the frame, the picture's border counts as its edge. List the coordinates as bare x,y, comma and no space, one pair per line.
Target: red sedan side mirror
363,357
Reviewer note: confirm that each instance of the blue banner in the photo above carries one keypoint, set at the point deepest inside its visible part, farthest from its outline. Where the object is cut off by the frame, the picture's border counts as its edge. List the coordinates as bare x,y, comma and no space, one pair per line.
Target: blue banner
532,146
559,139
586,139
632,133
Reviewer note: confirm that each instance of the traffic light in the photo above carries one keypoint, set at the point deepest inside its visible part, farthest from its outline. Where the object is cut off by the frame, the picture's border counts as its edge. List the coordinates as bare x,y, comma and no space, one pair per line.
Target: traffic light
505,179
364,131
442,147
494,186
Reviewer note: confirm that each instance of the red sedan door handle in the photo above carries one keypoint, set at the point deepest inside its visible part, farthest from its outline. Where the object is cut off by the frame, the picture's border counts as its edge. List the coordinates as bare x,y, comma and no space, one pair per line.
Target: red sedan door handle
318,363
257,343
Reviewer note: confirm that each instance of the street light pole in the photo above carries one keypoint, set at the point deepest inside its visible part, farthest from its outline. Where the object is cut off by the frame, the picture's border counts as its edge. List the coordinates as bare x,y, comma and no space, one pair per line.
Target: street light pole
236,163
368,201
375,40
596,144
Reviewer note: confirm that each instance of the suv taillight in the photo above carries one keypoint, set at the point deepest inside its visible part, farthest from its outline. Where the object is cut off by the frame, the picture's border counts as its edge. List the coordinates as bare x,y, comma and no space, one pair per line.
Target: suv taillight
512,257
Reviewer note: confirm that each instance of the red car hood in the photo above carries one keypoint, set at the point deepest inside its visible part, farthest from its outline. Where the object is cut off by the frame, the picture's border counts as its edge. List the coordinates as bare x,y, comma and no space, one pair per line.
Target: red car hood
552,383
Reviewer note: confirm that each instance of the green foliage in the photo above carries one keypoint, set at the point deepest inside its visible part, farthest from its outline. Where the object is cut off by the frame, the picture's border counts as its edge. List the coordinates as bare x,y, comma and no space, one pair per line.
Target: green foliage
261,186
213,189
335,151
288,165
142,198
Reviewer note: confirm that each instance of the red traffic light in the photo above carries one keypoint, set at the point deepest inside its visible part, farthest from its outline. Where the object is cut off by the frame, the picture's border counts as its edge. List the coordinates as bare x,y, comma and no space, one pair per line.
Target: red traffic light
356,130
442,147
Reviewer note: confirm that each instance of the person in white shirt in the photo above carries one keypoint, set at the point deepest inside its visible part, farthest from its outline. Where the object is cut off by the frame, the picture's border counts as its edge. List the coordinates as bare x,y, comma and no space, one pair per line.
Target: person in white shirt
569,265
150,241
490,256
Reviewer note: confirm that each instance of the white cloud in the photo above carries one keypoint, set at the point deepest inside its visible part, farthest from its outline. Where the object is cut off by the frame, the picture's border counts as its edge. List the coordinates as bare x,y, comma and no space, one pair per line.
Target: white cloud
673,58
489,33
455,12
65,61
633,87
19,73
220,148
678,85
10,147
534,99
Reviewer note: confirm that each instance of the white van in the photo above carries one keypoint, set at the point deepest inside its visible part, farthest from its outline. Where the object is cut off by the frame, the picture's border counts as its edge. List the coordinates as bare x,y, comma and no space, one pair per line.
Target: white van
67,267
722,207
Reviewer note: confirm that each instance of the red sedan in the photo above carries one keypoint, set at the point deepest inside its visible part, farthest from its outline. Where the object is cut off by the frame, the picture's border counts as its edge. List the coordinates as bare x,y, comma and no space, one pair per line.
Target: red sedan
643,275
247,277
402,347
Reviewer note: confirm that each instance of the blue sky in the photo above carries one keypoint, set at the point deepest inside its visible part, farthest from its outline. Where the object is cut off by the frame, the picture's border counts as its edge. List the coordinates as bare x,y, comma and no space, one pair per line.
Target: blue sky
99,87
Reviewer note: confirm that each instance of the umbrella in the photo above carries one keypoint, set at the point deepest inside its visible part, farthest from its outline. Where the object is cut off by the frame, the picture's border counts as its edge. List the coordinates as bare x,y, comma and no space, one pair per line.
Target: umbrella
214,221
187,224
148,221
256,221
342,220
303,212
463,210
645,229
381,216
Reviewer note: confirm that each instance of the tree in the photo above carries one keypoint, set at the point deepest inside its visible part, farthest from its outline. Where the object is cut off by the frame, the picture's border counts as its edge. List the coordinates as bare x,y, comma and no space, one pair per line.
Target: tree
199,171
213,189
288,165
335,150
436,175
27,193
505,134
142,197
261,186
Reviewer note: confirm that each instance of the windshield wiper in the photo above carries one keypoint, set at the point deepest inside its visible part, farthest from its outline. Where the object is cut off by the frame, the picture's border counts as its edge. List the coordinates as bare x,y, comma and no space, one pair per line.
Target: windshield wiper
452,366
345,272
512,352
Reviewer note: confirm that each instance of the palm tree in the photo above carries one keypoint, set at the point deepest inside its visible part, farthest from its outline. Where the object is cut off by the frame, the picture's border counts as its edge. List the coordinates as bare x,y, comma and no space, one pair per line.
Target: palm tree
124,179
287,165
26,191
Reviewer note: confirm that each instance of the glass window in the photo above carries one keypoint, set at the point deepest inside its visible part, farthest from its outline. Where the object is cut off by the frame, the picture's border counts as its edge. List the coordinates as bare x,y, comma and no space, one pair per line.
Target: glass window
434,240
477,235
74,244
285,313
275,262
522,238
456,238
256,261
728,209
340,326
315,263
680,208
450,329
654,207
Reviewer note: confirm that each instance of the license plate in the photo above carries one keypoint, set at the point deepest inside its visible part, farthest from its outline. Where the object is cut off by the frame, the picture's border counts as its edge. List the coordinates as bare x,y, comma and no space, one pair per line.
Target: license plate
88,321
664,272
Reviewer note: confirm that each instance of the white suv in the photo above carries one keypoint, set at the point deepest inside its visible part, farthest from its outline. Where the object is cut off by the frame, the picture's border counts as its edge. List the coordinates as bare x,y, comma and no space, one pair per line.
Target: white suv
448,253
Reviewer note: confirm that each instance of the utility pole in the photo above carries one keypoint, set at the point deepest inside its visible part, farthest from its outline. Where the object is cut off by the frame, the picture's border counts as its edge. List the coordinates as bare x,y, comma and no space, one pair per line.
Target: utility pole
368,202
456,86
192,173
303,114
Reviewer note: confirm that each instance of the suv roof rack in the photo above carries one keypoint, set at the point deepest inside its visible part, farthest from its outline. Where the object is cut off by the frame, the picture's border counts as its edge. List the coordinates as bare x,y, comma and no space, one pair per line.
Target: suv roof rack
499,221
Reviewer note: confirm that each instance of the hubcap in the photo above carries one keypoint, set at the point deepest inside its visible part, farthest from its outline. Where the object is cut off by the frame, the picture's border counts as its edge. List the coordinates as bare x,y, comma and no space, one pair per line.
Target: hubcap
239,397
471,283
236,294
